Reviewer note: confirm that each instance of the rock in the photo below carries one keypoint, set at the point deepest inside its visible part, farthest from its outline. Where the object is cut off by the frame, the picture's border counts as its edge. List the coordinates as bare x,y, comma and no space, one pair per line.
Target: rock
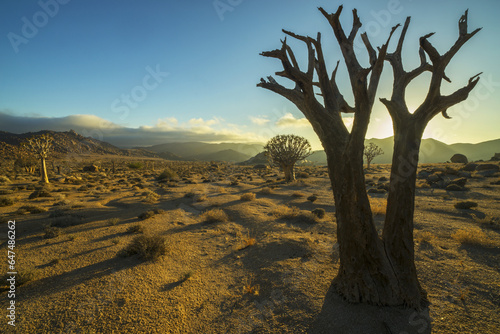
459,182
488,167
376,191
487,173
459,159
496,157
91,168
470,167
454,187
383,179
433,178
464,174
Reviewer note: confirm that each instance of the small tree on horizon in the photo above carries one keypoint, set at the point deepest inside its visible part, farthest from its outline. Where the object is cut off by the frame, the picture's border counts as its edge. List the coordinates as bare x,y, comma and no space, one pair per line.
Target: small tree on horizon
285,151
40,146
371,151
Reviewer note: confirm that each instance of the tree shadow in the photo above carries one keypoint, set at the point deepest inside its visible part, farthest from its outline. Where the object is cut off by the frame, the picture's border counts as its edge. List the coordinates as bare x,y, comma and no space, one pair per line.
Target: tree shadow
67,280
486,255
340,316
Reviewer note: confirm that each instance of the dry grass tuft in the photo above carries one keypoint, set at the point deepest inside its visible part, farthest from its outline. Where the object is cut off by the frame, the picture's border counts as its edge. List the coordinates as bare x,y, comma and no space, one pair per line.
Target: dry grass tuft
425,237
149,248
247,197
266,191
215,216
378,206
298,194
472,236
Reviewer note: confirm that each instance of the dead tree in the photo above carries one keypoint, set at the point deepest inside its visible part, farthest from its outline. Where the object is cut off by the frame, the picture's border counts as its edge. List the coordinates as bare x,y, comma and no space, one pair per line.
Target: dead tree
285,151
408,130
40,146
372,269
371,151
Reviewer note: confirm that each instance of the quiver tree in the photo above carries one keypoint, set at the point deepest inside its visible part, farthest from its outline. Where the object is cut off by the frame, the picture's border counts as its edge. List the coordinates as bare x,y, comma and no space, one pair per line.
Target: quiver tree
408,130
372,269
40,146
371,151
285,151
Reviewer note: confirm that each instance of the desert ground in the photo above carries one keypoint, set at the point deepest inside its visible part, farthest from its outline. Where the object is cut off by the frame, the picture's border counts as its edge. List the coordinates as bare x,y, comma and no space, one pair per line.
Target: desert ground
192,247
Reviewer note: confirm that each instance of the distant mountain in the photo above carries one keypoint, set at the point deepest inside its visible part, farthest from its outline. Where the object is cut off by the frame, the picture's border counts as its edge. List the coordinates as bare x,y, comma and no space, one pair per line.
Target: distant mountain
431,151
224,155
193,150
66,143
259,159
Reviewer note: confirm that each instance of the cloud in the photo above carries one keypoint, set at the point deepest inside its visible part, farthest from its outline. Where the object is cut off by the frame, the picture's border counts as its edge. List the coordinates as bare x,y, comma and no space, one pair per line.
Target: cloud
289,121
259,120
164,131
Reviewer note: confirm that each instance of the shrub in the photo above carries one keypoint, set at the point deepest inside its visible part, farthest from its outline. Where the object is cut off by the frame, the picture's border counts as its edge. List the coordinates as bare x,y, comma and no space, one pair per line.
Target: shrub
135,165
146,215
266,191
378,205
298,194
51,232
425,237
4,179
40,193
302,175
7,201
319,212
466,205
150,196
247,197
215,216
113,221
471,237
149,248
167,175
31,209
135,229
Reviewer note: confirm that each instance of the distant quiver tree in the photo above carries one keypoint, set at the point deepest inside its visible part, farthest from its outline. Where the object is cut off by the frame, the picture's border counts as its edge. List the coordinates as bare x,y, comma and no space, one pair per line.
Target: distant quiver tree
40,146
371,151
285,151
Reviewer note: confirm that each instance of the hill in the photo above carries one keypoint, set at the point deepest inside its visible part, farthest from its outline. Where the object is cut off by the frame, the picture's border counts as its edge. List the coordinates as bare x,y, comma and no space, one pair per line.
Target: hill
224,155
431,151
66,143
193,150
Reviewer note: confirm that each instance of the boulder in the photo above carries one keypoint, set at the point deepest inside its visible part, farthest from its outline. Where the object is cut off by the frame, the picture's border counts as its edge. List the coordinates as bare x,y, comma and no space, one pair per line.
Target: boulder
496,157
488,167
91,168
470,167
459,159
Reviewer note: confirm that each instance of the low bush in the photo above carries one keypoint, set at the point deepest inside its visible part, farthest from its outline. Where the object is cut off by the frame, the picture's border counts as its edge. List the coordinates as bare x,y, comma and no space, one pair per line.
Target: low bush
167,175
135,165
149,248
215,216
247,197
465,205
319,212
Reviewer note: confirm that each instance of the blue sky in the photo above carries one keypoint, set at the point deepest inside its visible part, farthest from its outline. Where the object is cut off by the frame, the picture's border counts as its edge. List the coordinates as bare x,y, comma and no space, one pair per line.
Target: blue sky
146,72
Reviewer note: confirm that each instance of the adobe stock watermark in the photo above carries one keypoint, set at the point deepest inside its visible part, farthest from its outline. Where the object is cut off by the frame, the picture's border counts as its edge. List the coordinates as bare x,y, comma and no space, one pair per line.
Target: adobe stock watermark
223,6
31,26
139,93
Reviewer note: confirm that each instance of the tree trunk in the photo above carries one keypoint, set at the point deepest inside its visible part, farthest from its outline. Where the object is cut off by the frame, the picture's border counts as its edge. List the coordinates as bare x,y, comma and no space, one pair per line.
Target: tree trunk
289,173
43,171
398,227
365,274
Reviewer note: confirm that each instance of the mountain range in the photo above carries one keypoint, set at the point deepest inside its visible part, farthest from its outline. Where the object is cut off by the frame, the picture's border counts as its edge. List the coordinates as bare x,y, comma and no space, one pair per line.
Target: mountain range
70,142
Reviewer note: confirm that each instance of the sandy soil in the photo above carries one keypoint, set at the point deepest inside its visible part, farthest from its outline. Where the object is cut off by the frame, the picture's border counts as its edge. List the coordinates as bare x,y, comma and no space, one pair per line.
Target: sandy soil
267,269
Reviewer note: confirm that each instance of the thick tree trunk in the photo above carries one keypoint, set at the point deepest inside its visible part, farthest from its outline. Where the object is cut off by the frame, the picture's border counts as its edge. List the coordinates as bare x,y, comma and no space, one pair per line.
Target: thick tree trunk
43,171
365,274
398,227
289,173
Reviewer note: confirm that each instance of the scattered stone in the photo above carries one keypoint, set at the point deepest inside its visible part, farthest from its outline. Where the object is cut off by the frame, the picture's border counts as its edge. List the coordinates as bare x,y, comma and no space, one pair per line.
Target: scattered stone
454,187
470,167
